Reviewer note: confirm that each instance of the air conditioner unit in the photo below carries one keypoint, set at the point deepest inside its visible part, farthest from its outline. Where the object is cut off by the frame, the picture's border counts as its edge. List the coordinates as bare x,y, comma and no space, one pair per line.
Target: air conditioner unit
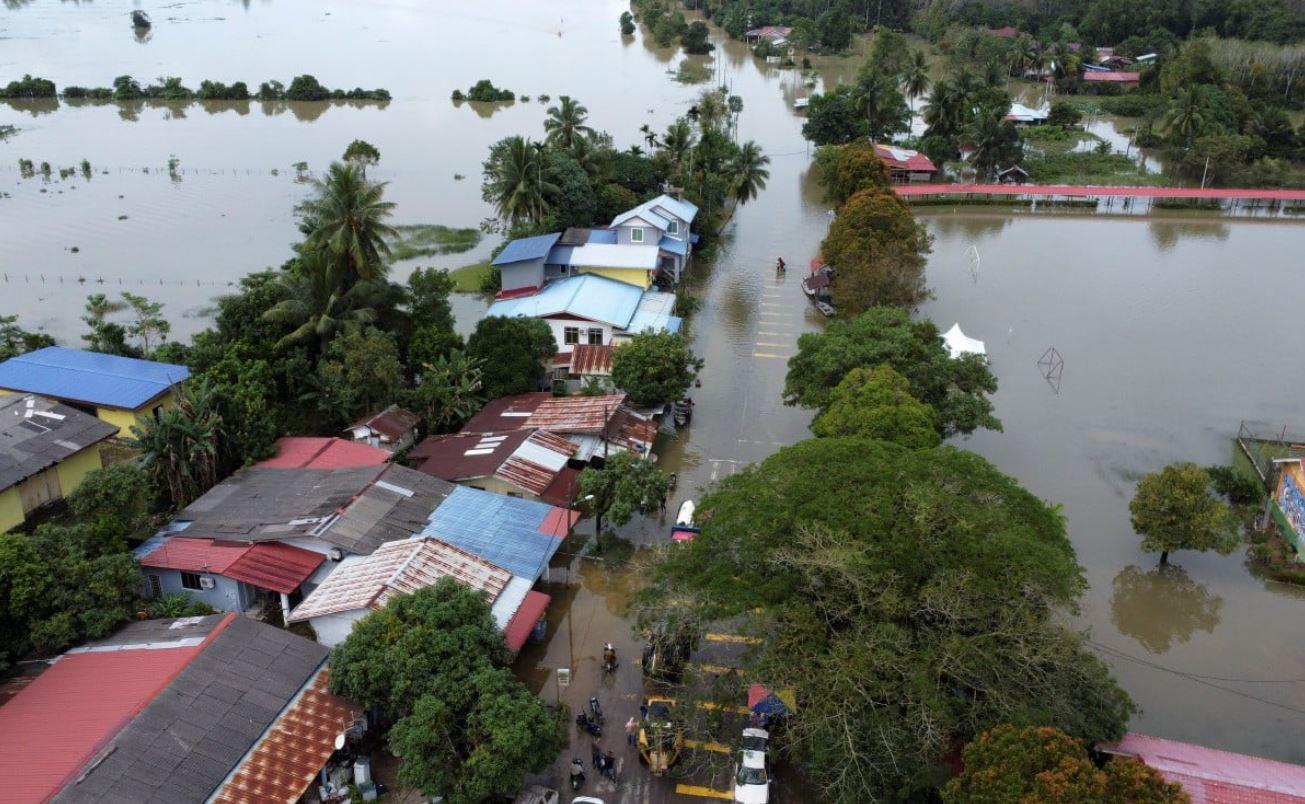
205,582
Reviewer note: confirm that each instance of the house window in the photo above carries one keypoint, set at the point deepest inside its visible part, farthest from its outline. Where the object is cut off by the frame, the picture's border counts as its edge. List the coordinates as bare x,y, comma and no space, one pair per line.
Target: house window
190,580
636,235
674,228
571,335
595,337
156,586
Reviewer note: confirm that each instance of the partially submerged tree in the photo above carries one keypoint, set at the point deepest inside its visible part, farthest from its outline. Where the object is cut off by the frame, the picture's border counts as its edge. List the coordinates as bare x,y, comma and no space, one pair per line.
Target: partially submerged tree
847,169
877,403
878,249
1175,509
14,340
654,367
626,484
363,154
957,389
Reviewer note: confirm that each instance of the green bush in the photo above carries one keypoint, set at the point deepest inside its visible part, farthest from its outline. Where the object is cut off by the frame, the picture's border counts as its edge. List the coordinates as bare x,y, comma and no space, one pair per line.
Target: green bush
29,87
485,91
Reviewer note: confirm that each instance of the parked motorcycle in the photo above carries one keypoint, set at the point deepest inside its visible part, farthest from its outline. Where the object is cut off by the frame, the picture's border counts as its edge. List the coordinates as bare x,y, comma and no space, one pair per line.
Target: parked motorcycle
585,722
577,774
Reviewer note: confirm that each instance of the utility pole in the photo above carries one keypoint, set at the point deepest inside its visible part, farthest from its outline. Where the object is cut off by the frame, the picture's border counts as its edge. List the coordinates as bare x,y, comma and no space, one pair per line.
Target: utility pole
1205,172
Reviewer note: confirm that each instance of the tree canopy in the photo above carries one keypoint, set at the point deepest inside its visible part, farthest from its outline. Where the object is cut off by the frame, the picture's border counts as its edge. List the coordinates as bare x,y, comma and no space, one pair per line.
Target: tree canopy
625,484
897,589
1043,765
956,389
877,403
512,352
654,367
833,119
878,249
1175,509
847,169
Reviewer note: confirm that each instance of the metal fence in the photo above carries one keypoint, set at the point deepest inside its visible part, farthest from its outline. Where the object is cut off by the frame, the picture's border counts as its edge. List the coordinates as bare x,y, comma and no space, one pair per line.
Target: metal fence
1263,443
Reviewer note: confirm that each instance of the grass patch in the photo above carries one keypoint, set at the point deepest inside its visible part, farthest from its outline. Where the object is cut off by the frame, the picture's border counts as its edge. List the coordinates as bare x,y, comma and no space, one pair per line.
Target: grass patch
468,278
428,240
1089,168
692,72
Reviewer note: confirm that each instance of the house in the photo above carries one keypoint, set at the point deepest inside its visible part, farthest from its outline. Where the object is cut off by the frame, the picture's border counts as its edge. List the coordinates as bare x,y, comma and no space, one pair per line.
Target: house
1211,776
1019,113
120,390
1127,80
905,165
393,429
594,424
46,450
586,366
218,708
1012,175
306,452
364,584
530,464
594,310
227,575
776,35
650,244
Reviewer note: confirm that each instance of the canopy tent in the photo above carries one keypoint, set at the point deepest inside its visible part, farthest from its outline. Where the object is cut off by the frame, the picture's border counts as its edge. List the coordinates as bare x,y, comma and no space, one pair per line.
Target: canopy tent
958,343
764,701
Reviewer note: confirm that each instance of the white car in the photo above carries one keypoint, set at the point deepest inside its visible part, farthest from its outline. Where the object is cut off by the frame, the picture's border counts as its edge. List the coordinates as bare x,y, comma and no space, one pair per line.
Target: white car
752,776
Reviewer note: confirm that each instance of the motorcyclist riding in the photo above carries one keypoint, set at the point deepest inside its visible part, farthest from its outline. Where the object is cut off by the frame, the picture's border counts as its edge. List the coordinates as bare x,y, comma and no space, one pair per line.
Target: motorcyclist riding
609,658
577,773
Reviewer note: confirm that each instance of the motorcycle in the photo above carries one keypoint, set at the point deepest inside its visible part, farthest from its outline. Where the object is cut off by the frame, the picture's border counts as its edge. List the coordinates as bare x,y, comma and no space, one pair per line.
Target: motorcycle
609,658
577,774
590,724
596,709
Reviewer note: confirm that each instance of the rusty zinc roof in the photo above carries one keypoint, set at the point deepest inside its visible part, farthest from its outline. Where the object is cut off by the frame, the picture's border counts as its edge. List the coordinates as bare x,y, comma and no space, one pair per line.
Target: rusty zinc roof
537,462
393,422
395,568
288,757
575,414
587,359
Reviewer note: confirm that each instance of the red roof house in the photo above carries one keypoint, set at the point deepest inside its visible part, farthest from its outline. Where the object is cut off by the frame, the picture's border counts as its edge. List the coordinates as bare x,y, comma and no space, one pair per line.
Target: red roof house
394,429
1111,77
905,164
218,571
1211,776
302,452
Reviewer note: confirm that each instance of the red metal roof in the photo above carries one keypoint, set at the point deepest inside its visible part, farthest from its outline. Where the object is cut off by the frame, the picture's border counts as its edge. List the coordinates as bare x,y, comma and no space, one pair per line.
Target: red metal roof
505,413
1112,76
290,755
904,158
576,414
517,293
523,622
563,489
72,709
393,422
294,452
1211,776
466,456
195,555
586,359
272,565
557,522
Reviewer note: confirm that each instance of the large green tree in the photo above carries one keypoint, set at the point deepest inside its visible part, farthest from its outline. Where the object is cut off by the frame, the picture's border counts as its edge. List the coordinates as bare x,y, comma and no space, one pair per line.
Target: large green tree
833,118
179,447
433,662
626,484
878,249
897,590
1175,509
512,352
847,169
654,367
956,388
877,403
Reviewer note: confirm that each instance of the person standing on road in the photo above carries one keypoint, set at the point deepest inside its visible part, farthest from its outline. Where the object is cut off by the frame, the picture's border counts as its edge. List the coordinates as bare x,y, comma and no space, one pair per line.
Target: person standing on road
596,756
631,726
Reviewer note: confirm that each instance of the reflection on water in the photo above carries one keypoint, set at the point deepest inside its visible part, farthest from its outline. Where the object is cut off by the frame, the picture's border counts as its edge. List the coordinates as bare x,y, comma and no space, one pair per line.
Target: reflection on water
969,224
1162,606
1165,232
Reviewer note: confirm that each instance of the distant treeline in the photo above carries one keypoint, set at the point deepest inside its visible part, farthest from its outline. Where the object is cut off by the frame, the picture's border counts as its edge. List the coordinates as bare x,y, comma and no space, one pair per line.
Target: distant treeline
302,88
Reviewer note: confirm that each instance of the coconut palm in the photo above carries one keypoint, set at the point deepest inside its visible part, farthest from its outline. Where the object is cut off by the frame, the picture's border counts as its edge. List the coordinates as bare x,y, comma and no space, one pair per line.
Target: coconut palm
878,99
915,78
747,172
1184,117
320,305
943,111
347,217
678,140
514,181
566,122
995,141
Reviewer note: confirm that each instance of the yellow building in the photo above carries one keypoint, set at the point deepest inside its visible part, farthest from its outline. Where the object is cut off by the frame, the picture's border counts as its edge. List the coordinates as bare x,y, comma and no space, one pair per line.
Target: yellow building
119,390
46,451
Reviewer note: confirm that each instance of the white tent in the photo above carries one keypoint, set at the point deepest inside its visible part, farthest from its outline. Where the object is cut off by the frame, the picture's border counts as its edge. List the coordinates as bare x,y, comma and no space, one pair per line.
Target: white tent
958,343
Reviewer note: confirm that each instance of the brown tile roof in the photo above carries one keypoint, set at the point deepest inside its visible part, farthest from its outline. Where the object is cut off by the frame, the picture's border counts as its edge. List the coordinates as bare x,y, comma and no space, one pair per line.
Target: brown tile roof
287,759
505,413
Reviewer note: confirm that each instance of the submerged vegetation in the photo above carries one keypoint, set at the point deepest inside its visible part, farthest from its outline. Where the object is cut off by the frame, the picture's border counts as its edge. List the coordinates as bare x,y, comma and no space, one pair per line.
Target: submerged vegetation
429,240
125,88
484,91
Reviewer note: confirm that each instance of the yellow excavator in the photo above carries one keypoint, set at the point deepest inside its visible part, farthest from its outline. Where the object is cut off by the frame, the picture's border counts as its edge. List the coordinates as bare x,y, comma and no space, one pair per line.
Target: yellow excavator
661,739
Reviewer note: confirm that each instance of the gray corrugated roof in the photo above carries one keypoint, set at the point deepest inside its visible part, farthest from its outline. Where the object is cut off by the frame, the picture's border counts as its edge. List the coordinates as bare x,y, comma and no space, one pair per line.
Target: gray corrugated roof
265,504
185,742
156,631
395,507
37,433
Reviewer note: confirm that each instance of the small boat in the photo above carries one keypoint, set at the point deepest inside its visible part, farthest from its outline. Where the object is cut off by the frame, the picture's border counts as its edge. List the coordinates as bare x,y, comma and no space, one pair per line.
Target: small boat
825,309
801,103
684,530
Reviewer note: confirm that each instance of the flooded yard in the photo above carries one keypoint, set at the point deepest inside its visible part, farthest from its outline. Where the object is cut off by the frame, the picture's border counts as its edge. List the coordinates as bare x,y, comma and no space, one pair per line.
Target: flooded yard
1172,329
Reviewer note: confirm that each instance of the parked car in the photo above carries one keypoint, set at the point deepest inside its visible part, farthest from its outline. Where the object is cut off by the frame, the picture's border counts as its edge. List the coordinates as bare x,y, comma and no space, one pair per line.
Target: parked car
752,774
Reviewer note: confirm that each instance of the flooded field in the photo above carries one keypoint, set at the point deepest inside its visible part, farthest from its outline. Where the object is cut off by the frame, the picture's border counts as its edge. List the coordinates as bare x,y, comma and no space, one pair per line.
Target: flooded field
1171,328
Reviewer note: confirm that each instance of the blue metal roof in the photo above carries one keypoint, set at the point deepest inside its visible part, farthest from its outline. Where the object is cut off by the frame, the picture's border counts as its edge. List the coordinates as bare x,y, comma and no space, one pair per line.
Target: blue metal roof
607,236
674,246
90,377
527,248
589,296
505,531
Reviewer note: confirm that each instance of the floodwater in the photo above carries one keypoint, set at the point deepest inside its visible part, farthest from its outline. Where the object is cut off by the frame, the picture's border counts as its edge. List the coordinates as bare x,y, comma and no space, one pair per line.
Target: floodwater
1166,325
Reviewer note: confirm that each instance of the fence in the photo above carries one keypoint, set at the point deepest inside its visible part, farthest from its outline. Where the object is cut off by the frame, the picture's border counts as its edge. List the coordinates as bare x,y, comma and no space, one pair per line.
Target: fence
1262,444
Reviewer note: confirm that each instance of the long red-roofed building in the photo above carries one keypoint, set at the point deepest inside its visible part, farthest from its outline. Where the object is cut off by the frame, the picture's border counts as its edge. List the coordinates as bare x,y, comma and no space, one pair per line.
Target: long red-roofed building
307,452
1211,776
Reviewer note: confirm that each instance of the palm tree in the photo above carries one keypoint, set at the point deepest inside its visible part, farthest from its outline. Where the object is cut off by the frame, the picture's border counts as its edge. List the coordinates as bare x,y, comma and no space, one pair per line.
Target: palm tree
994,139
678,140
178,448
915,78
943,110
319,305
515,181
878,99
747,172
566,122
585,152
347,217
1184,116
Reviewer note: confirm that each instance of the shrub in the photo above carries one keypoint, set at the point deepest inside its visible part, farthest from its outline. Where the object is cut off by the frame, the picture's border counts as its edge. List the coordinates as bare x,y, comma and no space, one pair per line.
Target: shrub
485,91
29,87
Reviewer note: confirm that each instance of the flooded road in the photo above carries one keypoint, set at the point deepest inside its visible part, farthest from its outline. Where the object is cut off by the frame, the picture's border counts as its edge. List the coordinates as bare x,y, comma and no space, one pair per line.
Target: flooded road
1171,329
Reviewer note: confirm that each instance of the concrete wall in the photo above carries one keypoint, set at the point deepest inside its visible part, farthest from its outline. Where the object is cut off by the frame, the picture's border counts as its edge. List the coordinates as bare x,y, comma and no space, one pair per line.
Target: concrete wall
651,234
638,277
498,486
524,274
559,325
11,509
332,629
73,469
226,594
125,419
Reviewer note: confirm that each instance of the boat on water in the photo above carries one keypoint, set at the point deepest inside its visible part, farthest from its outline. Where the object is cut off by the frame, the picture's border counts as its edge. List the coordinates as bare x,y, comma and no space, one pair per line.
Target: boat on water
825,309
801,103
684,530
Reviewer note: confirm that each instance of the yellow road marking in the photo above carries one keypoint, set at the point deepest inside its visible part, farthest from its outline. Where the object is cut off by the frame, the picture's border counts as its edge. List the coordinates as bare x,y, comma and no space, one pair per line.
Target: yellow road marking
779,345
767,354
720,748
703,792
741,710
714,668
746,640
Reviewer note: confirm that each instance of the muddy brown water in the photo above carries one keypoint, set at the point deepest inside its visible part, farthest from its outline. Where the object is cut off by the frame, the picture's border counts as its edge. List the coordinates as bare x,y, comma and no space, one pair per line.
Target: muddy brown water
1171,329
